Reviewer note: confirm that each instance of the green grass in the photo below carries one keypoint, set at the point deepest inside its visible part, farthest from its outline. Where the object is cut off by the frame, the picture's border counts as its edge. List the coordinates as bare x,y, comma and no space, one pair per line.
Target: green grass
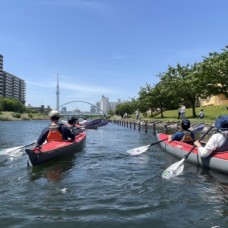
210,112
6,116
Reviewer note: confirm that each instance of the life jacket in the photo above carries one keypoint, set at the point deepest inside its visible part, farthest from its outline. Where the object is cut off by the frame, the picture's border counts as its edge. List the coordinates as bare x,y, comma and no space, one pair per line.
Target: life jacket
54,133
187,138
224,146
76,129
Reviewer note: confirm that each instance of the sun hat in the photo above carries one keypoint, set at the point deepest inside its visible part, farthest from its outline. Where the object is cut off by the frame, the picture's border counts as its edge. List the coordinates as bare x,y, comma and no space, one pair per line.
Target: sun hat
54,113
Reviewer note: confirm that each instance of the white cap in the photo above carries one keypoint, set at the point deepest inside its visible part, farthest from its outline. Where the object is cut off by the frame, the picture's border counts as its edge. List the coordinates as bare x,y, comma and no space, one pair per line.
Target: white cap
54,113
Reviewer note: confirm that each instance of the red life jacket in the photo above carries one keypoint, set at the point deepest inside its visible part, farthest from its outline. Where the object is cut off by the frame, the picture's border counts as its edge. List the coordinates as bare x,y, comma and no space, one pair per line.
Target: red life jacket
54,134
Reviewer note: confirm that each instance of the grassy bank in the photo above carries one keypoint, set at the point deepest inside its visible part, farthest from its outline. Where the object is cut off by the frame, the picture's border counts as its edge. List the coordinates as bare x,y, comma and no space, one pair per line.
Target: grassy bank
8,116
210,112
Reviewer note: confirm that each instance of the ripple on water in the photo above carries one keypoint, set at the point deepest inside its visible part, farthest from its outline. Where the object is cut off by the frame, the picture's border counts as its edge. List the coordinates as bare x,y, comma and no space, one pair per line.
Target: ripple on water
104,186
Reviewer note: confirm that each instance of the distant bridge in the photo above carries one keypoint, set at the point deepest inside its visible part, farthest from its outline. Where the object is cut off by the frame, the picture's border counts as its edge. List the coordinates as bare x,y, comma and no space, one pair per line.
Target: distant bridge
101,112
76,102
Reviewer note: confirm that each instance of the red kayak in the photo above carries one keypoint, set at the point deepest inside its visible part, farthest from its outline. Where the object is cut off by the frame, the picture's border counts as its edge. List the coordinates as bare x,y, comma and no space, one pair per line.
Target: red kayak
55,149
216,161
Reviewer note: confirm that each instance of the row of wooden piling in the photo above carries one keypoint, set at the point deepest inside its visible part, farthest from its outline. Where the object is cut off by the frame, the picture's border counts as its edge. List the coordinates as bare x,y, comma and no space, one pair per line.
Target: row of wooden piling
137,125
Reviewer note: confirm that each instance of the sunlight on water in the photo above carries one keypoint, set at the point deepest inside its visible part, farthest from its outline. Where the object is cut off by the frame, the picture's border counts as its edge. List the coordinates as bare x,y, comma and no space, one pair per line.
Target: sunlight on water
104,186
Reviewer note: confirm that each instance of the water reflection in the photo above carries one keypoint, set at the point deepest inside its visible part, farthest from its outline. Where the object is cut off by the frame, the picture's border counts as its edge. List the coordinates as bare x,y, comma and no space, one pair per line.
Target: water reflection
213,185
53,171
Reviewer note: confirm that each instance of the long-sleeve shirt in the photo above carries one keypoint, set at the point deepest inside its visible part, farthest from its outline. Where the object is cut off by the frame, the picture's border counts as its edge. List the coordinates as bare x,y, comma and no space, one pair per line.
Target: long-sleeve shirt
216,141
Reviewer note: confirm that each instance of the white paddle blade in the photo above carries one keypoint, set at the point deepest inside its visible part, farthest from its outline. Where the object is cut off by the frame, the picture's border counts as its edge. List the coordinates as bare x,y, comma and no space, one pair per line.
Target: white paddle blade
139,150
174,170
12,149
15,153
16,149
12,152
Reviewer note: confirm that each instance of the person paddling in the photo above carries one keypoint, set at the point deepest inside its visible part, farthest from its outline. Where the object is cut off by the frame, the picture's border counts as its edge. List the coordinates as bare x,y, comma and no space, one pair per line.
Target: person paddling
74,125
84,121
55,131
218,141
184,134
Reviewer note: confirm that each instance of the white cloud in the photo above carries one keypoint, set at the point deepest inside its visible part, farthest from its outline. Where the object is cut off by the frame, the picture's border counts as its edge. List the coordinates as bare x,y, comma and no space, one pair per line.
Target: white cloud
74,87
86,88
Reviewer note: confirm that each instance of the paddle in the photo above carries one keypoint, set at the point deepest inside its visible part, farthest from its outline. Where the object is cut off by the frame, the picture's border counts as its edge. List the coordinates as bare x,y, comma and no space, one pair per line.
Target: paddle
93,123
197,128
13,149
177,168
142,149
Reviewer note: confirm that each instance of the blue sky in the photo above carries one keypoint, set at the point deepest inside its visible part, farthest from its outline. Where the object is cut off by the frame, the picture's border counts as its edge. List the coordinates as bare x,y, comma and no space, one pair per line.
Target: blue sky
104,47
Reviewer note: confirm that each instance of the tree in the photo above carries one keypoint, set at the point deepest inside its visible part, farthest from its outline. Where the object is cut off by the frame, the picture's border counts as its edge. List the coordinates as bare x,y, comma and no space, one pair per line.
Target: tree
215,73
10,104
183,82
145,98
126,107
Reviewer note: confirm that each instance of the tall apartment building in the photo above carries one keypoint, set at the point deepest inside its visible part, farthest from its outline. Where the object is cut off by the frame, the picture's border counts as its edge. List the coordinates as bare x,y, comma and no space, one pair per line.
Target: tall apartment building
113,104
93,109
11,86
104,104
98,107
1,75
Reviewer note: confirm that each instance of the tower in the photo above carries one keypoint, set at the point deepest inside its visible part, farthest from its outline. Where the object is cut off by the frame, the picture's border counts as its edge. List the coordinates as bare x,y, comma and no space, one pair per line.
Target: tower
57,94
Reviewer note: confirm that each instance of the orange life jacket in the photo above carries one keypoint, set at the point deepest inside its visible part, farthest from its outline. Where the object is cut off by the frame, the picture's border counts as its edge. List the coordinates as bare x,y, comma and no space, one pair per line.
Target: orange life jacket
54,134
187,137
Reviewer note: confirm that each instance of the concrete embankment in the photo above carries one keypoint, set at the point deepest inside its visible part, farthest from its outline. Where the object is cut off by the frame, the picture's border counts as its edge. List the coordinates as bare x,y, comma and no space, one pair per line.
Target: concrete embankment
167,127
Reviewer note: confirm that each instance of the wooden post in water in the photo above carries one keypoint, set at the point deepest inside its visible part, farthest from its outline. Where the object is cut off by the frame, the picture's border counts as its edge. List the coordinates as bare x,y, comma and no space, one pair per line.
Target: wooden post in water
134,125
165,129
146,127
139,126
154,128
130,124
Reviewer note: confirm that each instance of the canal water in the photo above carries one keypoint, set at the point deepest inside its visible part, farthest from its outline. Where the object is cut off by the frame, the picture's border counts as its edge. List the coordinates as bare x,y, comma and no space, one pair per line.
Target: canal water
104,186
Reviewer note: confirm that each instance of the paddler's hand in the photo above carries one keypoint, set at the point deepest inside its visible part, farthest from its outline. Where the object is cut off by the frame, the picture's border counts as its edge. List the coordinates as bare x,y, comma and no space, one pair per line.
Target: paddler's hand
197,143
37,147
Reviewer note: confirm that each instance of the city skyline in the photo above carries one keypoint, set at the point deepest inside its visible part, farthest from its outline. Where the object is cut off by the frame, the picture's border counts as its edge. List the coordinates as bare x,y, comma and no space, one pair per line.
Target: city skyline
100,47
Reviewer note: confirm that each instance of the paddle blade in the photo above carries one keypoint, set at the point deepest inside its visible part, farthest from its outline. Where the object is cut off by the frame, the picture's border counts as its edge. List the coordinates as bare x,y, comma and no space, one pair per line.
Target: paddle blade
12,149
12,152
174,170
16,148
198,128
139,150
93,123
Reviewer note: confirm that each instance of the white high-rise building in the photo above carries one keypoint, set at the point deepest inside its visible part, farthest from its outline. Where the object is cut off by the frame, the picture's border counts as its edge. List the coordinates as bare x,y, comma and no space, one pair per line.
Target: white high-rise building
104,104
113,104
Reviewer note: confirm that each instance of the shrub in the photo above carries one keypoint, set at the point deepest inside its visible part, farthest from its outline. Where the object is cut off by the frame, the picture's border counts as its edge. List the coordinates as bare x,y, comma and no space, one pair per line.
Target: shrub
17,115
